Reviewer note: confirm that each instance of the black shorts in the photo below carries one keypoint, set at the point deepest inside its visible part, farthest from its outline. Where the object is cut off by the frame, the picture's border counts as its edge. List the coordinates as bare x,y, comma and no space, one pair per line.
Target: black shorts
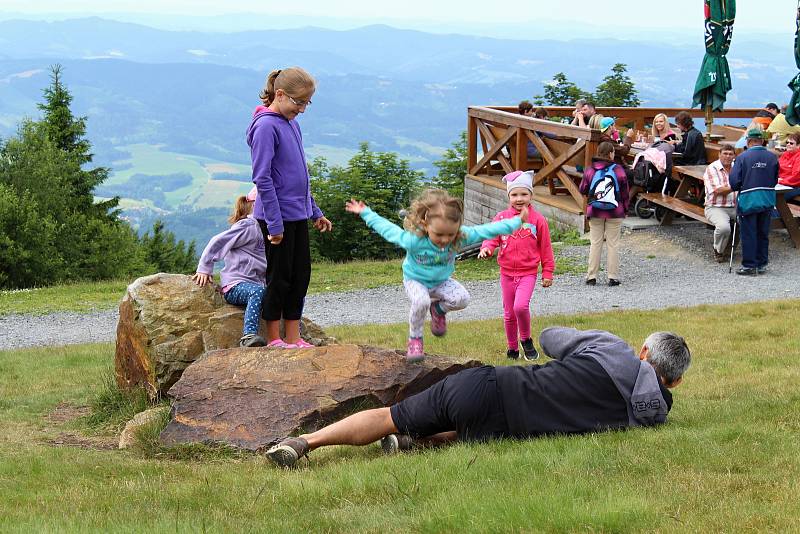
467,402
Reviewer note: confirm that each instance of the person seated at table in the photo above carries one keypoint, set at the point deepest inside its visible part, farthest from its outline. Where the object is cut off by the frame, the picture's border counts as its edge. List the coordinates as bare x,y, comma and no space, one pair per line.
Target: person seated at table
661,130
526,108
691,146
720,203
767,115
578,105
789,167
754,175
609,132
587,111
741,144
779,129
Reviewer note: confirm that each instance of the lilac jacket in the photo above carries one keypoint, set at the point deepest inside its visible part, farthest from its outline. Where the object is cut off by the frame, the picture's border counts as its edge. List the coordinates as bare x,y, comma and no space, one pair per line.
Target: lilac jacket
622,179
242,248
279,171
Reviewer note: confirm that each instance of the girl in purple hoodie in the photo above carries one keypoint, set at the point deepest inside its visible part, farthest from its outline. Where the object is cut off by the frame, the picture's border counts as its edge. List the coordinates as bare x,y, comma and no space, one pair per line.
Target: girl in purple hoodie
242,248
284,204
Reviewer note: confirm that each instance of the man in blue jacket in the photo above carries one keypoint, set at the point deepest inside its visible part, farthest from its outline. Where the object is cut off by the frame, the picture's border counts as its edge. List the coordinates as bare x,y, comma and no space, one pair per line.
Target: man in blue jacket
754,176
595,382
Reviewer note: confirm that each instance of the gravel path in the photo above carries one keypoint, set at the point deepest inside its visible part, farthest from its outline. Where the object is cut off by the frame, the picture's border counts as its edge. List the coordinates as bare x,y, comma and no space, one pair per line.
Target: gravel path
661,267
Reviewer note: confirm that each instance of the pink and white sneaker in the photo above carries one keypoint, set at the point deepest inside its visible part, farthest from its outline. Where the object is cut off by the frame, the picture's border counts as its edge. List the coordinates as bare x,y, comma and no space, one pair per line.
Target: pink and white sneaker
277,344
415,353
301,344
438,321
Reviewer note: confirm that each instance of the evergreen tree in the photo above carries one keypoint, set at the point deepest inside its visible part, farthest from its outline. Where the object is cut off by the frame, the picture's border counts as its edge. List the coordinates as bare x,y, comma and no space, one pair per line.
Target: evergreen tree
561,92
67,133
164,254
452,168
617,89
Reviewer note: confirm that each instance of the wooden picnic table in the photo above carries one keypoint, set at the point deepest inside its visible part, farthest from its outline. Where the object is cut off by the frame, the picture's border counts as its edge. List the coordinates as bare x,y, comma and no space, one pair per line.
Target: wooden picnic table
688,174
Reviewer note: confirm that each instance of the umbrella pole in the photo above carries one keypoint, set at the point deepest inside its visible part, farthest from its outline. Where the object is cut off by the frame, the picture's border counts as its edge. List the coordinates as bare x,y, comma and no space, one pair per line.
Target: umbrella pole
709,122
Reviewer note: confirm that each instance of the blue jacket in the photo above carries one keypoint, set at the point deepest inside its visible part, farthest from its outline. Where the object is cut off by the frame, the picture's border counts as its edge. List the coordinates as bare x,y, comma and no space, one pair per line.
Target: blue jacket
755,175
425,262
279,172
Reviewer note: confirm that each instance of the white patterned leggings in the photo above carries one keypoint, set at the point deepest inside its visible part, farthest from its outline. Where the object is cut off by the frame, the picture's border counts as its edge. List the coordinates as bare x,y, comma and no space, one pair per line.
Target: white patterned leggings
451,296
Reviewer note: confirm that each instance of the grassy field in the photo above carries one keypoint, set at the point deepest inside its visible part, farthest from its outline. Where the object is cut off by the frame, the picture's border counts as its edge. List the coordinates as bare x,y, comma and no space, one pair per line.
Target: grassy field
326,277
725,462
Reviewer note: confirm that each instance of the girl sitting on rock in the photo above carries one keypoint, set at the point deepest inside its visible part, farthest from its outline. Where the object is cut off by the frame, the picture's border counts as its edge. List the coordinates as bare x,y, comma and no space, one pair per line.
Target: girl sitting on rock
433,235
243,278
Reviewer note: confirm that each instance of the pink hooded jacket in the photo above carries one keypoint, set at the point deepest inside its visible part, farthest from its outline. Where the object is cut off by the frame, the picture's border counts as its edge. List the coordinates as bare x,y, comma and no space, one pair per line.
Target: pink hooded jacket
521,252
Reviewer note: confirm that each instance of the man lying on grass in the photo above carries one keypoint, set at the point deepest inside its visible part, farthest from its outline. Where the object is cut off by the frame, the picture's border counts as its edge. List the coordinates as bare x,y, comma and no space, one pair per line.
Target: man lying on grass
595,382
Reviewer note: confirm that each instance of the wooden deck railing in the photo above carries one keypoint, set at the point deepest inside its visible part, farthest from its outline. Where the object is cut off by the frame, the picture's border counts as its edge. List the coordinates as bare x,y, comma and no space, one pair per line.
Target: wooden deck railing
498,136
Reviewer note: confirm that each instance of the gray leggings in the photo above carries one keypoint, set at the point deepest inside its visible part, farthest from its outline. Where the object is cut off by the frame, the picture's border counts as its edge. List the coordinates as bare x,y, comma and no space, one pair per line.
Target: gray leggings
451,296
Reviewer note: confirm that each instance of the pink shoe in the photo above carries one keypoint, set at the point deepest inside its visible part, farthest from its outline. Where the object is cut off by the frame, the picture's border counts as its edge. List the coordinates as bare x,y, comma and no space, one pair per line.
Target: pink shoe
415,353
301,344
277,344
438,321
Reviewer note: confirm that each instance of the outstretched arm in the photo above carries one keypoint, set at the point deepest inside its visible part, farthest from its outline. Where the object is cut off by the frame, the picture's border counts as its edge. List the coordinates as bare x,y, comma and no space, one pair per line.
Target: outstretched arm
387,229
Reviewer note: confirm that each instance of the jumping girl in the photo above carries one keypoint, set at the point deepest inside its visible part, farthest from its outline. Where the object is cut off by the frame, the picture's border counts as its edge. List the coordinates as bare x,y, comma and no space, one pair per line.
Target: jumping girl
433,234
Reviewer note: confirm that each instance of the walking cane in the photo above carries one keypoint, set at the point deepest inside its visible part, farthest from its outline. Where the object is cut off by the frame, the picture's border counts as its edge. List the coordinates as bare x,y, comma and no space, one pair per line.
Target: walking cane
733,244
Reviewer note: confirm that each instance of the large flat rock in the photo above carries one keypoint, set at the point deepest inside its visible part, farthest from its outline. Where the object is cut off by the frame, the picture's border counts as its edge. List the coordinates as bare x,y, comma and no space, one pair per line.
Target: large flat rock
166,322
251,398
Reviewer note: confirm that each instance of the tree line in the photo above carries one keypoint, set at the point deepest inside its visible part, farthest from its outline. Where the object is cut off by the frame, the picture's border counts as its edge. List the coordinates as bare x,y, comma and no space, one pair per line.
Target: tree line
52,229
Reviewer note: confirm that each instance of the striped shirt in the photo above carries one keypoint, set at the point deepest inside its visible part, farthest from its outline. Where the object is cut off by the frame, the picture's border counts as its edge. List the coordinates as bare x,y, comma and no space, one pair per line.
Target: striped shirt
715,177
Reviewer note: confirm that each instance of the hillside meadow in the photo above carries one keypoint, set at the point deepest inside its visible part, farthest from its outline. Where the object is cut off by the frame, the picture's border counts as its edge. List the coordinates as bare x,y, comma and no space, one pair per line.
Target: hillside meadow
725,462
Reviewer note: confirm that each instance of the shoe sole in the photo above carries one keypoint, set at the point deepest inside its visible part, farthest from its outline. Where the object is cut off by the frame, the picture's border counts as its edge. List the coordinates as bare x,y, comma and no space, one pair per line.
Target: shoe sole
415,358
531,358
283,455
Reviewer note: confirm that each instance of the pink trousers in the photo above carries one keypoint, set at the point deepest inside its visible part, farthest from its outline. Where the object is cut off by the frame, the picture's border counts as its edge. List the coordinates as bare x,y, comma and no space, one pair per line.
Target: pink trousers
517,293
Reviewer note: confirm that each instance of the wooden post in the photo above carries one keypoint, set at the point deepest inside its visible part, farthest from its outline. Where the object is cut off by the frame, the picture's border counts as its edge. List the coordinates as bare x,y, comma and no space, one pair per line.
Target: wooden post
709,122
521,160
472,143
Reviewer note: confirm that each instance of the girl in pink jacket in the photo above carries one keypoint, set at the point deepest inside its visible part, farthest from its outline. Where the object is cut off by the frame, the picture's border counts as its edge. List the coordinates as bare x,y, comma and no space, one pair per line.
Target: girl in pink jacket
519,257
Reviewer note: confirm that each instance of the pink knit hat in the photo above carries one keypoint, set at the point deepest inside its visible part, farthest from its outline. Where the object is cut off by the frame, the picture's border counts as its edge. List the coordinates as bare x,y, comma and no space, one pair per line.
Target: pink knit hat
517,179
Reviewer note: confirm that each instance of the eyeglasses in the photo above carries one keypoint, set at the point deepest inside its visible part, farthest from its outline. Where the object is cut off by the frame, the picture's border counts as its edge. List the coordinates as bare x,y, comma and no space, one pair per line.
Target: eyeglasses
300,103
791,143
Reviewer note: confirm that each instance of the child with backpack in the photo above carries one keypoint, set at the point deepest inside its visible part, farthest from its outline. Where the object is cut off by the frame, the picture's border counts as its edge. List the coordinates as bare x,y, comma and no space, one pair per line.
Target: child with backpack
519,257
244,275
433,233
606,185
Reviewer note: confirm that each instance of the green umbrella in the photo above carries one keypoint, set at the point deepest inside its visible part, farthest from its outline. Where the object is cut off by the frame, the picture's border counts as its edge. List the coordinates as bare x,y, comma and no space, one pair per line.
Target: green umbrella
714,80
793,110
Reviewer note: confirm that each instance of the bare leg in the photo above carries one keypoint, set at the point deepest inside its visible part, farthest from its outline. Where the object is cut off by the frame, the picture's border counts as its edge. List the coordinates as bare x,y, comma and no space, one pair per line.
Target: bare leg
360,428
291,330
273,330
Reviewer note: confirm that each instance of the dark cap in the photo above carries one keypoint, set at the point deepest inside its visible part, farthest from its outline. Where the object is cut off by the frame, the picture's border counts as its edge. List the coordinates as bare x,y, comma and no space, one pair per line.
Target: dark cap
755,133
772,105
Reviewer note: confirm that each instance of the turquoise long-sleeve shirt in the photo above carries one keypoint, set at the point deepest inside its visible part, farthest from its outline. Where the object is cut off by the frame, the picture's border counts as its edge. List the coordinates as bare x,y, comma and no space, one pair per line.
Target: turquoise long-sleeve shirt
425,262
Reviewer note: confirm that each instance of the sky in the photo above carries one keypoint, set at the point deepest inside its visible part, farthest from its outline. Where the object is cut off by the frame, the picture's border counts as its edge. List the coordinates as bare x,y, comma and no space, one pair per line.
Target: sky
753,16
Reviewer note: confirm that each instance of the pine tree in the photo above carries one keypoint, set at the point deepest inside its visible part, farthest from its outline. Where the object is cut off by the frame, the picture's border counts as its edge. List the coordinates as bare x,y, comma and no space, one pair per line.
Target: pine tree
617,89
68,132
453,167
561,92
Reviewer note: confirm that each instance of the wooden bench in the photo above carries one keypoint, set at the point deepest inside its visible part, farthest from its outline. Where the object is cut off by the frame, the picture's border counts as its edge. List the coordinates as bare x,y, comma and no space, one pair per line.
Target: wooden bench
677,205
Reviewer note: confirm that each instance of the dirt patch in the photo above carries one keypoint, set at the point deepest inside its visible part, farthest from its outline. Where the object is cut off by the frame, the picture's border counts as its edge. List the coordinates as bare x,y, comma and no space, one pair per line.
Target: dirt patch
66,439
65,412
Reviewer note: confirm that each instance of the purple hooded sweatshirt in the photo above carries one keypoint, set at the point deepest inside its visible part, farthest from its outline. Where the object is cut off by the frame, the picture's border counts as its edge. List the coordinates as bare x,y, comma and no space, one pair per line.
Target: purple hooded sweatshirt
242,248
279,171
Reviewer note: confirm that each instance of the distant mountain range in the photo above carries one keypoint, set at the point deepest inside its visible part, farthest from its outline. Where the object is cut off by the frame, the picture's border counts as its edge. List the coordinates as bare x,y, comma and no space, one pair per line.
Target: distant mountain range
193,92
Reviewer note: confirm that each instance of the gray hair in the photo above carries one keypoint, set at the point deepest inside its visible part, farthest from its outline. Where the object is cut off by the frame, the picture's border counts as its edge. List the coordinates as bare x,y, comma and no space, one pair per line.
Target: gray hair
669,355
579,103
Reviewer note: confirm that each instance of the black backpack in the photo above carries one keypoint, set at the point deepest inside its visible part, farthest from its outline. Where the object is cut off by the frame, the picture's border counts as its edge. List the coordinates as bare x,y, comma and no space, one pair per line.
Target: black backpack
646,176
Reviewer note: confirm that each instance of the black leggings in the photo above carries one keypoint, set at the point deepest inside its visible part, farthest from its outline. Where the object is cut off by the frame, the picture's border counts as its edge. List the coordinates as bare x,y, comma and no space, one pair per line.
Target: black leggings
288,272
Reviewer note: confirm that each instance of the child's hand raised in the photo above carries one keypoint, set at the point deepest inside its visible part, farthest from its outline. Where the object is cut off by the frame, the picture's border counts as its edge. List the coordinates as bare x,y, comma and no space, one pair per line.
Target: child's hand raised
524,214
485,253
355,206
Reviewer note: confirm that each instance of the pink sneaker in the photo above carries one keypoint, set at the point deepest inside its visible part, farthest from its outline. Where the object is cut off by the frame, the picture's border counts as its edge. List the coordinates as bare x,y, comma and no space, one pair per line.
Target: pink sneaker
438,322
301,344
415,353
277,344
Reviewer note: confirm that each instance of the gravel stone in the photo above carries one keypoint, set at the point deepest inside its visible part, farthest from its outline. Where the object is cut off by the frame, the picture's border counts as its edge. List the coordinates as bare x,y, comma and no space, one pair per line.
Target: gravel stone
660,267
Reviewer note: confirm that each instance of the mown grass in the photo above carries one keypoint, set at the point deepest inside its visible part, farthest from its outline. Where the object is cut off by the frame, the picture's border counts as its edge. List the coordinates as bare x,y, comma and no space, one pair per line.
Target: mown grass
326,277
725,462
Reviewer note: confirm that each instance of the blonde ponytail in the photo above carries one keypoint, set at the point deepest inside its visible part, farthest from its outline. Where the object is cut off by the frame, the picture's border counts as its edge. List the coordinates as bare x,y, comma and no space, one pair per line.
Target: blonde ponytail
294,81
